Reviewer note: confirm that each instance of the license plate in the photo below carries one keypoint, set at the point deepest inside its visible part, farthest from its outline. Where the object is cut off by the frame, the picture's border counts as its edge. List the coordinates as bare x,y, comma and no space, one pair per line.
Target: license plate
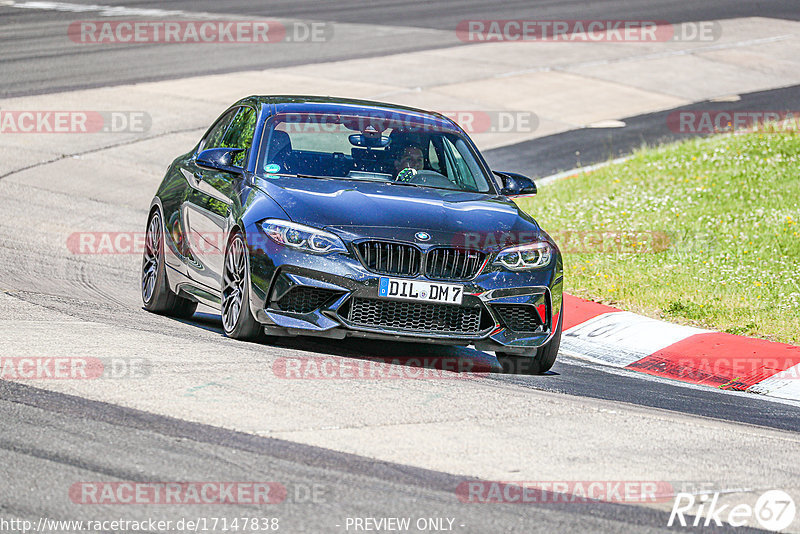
397,288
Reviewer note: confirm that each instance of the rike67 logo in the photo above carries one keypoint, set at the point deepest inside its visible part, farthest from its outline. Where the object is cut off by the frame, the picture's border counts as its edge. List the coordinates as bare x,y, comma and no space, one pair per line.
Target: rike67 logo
774,510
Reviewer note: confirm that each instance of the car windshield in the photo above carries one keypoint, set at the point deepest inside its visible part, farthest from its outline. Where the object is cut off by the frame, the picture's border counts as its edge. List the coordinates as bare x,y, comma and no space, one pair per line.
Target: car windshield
413,150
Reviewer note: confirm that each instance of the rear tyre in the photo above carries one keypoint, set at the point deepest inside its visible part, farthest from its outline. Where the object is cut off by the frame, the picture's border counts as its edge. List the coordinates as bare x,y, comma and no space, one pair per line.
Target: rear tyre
537,364
156,294
237,319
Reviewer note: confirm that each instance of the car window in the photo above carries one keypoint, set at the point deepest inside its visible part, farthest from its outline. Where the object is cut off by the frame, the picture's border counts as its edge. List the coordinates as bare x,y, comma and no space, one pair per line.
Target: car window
433,159
215,136
460,169
330,138
240,134
371,146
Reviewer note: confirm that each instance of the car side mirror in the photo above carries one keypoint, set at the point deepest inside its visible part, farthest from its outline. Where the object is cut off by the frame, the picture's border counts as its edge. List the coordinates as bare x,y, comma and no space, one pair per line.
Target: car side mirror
219,159
516,184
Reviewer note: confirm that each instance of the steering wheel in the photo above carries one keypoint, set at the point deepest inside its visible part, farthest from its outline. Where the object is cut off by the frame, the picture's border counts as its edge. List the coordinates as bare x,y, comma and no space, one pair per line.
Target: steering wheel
406,176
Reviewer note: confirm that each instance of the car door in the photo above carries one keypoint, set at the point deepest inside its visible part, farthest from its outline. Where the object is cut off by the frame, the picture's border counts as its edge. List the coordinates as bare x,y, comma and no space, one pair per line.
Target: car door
206,209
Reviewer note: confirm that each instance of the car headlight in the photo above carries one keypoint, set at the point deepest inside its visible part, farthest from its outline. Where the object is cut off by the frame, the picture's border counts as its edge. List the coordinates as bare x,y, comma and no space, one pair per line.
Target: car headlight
302,237
525,257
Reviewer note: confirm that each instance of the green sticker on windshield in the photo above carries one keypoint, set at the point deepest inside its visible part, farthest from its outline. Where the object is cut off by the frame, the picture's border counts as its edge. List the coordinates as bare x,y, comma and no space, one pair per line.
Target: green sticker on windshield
272,167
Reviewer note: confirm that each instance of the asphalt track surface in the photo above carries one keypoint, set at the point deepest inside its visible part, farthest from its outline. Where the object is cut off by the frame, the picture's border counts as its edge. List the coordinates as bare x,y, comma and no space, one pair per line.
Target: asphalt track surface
34,58
87,440
50,439
549,155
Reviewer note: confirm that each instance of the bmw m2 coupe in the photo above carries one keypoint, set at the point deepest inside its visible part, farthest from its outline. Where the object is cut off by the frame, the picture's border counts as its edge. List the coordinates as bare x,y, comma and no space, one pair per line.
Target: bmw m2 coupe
331,217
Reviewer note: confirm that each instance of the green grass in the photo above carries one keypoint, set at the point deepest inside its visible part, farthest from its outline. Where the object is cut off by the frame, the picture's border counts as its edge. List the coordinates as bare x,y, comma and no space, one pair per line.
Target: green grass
726,249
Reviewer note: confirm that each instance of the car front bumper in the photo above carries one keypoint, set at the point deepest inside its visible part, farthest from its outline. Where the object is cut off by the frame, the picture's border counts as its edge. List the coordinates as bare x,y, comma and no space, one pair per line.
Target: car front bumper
294,293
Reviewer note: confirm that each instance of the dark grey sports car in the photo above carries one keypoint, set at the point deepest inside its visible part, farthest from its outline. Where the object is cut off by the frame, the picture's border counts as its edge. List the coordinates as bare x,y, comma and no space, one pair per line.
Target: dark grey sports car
331,217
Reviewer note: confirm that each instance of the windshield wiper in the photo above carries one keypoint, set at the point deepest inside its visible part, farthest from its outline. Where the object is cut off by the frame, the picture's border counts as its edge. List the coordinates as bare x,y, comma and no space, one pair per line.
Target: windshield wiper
299,175
349,178
406,184
425,186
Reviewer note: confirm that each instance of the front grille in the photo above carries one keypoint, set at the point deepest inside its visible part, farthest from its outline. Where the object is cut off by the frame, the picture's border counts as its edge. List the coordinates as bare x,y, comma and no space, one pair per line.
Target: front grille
304,299
386,257
414,316
453,263
518,317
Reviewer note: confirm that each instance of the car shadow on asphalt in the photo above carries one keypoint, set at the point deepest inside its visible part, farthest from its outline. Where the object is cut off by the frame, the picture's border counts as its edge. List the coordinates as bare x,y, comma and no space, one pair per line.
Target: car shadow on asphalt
453,358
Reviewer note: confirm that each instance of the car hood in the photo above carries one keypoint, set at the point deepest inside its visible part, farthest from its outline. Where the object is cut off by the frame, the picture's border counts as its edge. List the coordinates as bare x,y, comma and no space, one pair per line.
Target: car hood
389,211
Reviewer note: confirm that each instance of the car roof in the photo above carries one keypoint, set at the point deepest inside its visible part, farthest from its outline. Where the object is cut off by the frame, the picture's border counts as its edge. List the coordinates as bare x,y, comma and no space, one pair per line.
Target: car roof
329,104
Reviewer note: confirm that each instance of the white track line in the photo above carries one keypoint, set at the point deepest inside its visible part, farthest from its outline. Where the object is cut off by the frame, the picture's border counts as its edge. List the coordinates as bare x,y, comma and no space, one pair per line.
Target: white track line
103,11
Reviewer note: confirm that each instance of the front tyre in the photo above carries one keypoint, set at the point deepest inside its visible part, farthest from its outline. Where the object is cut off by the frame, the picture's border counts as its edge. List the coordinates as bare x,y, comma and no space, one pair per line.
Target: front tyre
156,294
237,319
534,365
